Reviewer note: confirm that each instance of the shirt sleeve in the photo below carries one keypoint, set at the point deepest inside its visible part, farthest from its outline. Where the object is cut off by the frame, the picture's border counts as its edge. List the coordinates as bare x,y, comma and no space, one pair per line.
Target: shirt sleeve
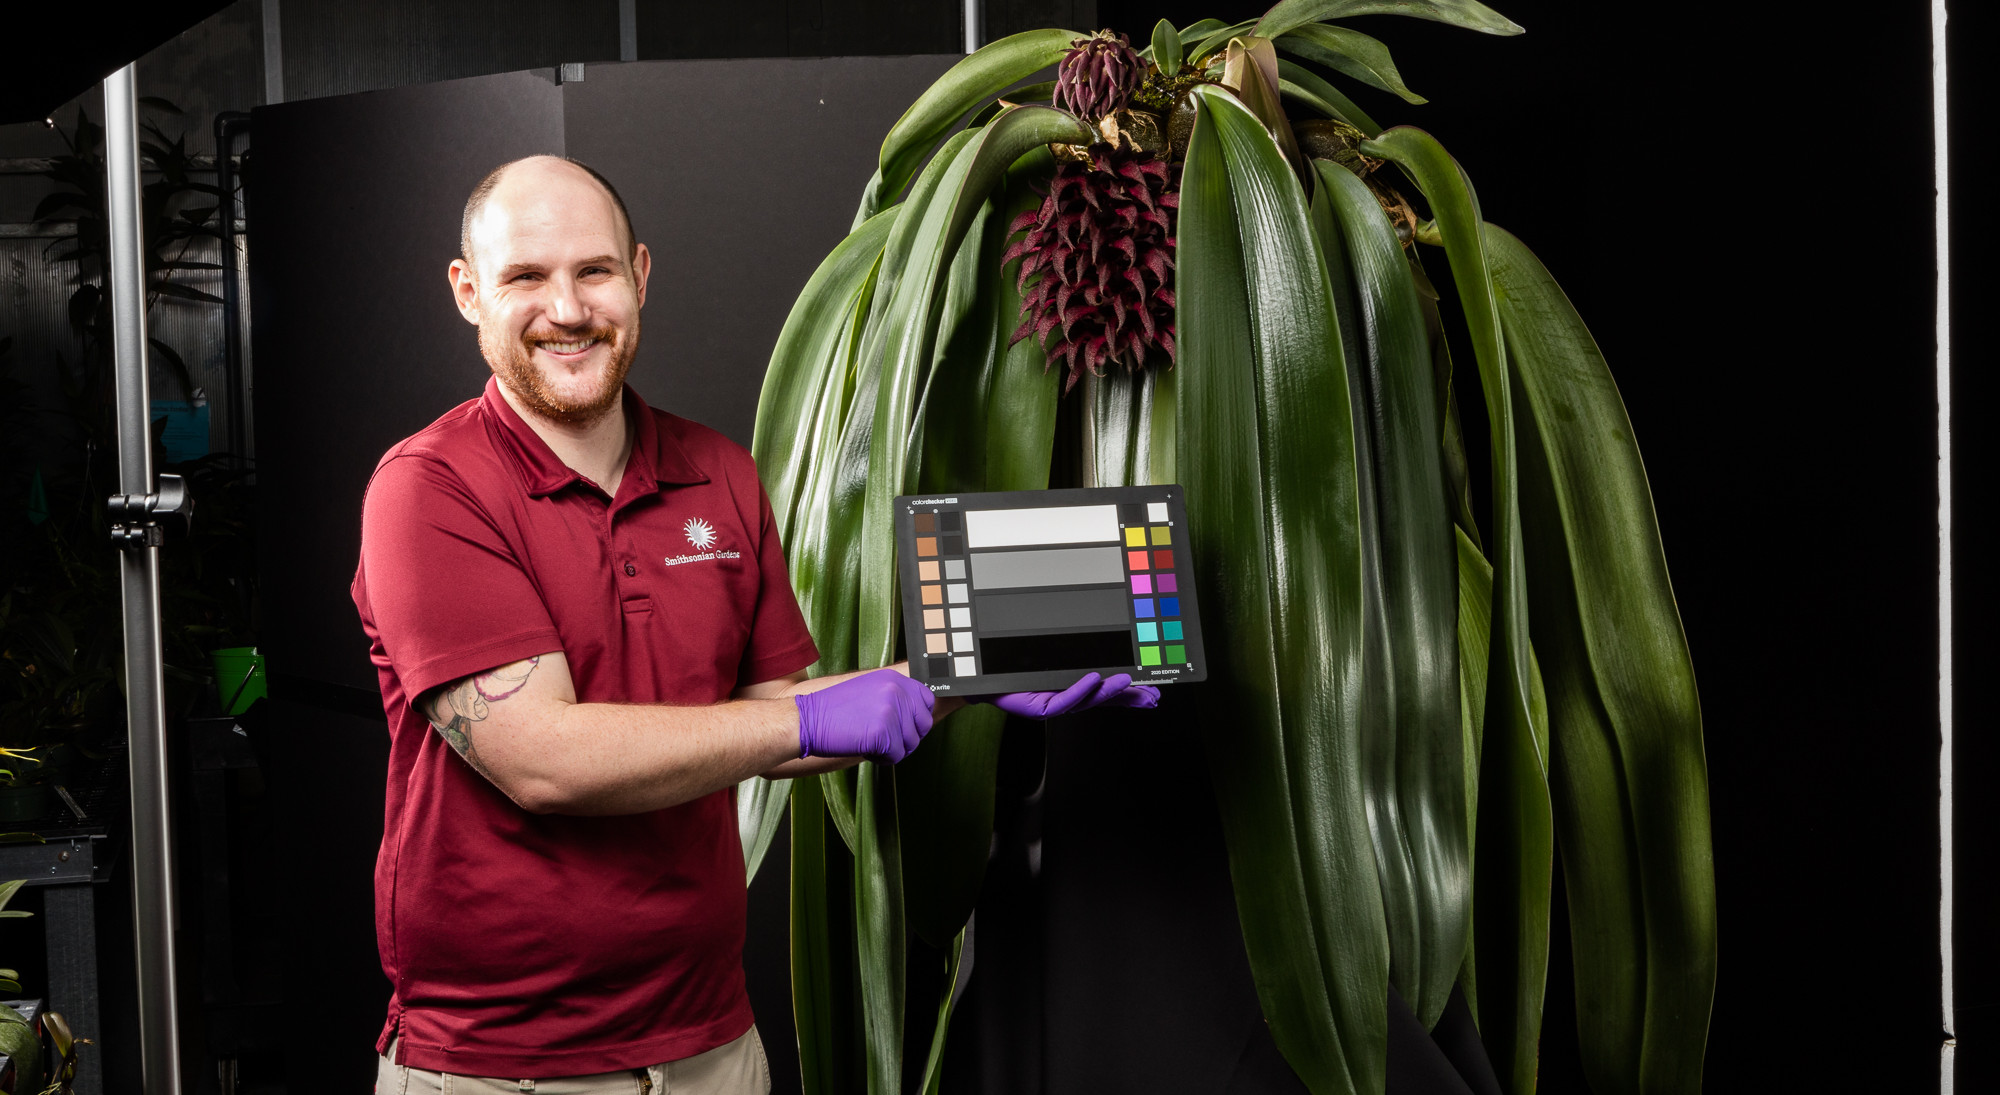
780,642
447,594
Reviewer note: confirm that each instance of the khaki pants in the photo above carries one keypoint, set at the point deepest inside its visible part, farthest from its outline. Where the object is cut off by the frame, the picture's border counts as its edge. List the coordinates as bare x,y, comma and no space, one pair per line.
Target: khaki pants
738,1068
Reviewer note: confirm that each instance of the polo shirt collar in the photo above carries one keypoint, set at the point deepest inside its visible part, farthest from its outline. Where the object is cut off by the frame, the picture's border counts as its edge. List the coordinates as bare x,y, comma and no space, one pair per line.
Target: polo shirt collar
657,459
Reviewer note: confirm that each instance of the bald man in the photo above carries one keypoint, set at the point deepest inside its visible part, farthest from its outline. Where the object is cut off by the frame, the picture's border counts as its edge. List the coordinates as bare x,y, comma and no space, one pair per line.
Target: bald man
586,637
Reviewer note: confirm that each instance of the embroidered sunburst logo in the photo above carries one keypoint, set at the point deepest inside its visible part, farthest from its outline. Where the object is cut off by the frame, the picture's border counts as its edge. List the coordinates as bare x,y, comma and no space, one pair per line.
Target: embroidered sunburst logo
699,533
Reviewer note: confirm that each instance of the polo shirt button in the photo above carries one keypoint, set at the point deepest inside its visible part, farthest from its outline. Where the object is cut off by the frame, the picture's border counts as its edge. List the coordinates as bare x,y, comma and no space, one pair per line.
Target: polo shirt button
630,570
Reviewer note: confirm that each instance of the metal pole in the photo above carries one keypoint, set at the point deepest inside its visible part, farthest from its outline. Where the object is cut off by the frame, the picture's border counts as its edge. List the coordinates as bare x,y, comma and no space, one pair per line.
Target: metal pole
139,568
975,25
227,125
1947,880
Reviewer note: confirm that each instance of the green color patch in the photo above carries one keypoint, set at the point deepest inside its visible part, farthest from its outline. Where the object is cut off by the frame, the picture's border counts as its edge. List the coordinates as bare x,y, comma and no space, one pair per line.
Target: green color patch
1176,654
1149,655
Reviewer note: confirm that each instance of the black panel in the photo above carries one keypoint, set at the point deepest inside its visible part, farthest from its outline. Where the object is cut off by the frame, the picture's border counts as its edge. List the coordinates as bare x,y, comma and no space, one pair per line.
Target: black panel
741,176
1071,650
357,344
331,48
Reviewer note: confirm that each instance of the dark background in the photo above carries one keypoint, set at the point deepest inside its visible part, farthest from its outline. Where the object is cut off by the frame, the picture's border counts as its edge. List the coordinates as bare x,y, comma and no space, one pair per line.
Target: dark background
1739,205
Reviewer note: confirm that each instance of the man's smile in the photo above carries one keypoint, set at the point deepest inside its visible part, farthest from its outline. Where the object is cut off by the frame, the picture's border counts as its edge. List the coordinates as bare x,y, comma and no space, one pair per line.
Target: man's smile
570,349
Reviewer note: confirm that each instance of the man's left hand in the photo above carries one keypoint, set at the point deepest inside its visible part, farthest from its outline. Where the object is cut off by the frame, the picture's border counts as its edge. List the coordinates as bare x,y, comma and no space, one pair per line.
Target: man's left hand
1092,691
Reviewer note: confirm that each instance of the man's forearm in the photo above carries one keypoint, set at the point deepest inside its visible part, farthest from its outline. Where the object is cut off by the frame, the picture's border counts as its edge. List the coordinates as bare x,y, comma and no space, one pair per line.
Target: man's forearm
606,758
525,733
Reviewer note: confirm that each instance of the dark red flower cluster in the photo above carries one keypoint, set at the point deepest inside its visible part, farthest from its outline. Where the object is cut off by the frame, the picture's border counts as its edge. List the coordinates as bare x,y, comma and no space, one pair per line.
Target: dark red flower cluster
1100,256
1098,75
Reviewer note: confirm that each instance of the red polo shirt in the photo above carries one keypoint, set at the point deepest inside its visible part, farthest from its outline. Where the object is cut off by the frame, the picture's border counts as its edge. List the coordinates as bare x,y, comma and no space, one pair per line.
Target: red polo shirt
531,946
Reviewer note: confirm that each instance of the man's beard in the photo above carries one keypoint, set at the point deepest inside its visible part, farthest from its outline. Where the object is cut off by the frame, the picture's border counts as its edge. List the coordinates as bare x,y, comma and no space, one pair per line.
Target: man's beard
513,362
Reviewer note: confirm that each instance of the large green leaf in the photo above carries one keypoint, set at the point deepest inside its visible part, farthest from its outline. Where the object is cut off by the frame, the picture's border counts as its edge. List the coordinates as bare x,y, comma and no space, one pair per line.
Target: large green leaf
901,339
1457,468
1417,795
880,451
1629,777
947,1000
1349,52
1267,458
1475,623
1203,50
1288,15
878,925
798,424
991,414
822,950
986,71
1515,857
790,415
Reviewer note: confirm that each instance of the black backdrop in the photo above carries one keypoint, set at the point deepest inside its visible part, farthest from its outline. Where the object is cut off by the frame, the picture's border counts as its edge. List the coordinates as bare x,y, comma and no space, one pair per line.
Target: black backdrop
1739,207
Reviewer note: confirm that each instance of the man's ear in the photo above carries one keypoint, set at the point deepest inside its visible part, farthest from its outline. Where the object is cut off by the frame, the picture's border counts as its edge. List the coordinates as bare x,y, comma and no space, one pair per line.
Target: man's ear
465,291
642,264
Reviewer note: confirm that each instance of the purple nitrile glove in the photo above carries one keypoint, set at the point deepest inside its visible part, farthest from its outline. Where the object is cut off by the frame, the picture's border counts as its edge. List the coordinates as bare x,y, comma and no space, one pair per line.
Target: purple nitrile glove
1114,691
880,715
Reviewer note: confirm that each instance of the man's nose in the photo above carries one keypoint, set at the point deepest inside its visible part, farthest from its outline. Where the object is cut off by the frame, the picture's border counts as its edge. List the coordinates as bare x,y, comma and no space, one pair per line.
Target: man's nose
565,306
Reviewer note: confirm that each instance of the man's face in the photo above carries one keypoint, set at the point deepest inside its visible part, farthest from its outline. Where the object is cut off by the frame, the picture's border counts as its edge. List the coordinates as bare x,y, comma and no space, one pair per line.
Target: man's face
555,293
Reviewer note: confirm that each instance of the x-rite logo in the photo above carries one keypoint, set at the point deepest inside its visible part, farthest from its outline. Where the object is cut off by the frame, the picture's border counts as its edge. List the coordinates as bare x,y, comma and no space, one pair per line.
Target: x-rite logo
699,533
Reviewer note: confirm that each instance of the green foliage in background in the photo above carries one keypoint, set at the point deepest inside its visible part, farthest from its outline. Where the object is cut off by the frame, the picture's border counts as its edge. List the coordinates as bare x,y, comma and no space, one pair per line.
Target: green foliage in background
1411,715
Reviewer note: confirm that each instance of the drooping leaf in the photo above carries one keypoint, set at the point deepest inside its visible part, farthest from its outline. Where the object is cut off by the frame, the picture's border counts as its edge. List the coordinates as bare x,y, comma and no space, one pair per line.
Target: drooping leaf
1417,802
822,950
945,790
760,809
1267,460
901,339
790,418
1457,468
1514,862
1205,50
1288,15
1195,33
1031,93
934,1064
1349,52
881,440
986,71
879,925
185,292
1629,776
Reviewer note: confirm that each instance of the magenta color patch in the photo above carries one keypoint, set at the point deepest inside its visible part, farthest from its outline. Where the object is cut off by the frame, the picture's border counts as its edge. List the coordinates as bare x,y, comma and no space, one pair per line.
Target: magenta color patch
1142,583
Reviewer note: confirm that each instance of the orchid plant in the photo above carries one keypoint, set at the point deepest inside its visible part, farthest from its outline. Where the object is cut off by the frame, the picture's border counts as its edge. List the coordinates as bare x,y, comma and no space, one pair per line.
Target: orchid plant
1227,265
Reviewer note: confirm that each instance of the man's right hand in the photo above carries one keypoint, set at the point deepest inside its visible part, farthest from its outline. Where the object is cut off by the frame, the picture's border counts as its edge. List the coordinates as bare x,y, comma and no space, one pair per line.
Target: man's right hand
880,715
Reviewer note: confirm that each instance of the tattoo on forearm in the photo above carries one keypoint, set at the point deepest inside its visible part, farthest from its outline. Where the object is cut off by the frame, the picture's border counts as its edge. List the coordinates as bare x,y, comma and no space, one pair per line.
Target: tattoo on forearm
455,707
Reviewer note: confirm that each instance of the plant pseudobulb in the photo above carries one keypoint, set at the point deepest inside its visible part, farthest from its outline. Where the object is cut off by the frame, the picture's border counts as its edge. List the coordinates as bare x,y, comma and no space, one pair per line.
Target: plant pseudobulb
1097,262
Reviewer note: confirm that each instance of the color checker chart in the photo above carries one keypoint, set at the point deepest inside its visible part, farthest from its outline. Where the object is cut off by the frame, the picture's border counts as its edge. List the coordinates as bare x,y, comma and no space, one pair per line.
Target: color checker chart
1020,591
